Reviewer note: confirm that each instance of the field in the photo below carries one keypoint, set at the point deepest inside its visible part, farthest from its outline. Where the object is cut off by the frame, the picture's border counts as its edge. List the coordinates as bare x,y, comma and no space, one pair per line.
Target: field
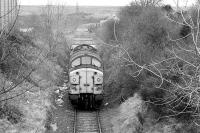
36,10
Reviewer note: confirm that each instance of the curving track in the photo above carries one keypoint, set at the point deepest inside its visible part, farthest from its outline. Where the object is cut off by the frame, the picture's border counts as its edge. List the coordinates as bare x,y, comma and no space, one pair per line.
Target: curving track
87,122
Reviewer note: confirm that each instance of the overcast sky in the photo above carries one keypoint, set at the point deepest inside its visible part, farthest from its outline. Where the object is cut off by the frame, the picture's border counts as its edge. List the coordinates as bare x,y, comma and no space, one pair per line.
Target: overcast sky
95,2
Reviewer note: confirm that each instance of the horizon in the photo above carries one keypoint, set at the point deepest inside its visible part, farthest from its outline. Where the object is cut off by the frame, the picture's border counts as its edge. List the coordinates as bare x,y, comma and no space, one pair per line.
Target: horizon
98,3
79,5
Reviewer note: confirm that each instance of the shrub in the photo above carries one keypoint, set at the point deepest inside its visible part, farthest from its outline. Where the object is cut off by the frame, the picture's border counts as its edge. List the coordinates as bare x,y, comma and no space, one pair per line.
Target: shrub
106,31
12,113
147,35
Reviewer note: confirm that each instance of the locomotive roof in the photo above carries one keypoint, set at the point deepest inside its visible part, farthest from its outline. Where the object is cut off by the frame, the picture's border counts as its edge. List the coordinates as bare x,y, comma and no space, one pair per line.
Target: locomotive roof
80,41
84,53
80,50
83,47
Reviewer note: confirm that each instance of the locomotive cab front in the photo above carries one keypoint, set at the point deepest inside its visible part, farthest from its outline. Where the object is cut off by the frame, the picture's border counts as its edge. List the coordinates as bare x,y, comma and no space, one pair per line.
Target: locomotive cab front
86,76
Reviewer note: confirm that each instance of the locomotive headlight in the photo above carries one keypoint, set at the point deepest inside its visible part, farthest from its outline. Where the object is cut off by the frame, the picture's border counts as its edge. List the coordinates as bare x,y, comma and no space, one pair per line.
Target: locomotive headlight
98,80
74,79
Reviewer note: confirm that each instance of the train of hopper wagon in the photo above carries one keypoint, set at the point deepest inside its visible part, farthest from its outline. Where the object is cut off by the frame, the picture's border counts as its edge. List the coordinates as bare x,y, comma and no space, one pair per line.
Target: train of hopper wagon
85,76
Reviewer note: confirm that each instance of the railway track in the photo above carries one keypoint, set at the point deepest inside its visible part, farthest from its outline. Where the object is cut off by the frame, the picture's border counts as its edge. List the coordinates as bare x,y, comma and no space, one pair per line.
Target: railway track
87,122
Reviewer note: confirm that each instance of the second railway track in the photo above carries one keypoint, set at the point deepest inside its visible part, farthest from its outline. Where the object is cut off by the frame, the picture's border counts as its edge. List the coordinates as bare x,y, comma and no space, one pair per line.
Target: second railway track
87,122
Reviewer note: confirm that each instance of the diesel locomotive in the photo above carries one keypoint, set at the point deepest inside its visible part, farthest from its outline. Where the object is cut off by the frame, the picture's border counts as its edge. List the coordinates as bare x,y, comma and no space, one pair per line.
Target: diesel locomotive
85,76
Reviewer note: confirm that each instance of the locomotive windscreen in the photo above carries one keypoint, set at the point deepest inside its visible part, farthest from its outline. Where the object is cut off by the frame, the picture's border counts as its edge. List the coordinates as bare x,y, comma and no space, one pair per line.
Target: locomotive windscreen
86,60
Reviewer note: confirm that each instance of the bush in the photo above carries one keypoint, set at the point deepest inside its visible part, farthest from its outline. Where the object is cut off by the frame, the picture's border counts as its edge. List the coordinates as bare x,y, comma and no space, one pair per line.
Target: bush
106,31
143,31
146,33
18,53
127,120
12,113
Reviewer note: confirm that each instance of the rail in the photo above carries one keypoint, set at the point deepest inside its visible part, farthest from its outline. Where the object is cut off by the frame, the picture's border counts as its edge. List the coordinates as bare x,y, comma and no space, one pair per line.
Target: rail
86,121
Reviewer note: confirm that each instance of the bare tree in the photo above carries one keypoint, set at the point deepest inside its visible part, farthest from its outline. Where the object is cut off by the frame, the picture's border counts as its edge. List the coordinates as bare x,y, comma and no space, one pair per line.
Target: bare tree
48,23
183,61
146,3
53,24
14,49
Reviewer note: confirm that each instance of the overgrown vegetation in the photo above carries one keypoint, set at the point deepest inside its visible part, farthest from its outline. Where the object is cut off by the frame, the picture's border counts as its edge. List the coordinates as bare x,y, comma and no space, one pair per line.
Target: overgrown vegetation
31,67
151,62
23,91
158,49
